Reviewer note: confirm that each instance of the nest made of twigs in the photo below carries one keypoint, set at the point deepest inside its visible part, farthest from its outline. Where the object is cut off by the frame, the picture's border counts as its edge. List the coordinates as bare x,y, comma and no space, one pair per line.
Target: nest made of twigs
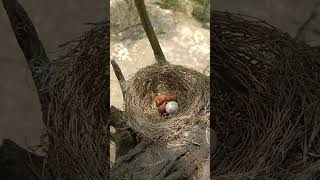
272,102
267,91
78,110
190,87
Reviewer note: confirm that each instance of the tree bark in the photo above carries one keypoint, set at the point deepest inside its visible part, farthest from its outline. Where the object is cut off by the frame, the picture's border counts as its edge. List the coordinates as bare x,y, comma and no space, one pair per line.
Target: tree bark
154,161
139,158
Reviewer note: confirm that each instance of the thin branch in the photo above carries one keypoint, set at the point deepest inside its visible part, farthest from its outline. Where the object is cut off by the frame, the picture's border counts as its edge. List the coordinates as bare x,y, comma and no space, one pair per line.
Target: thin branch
33,50
120,77
147,26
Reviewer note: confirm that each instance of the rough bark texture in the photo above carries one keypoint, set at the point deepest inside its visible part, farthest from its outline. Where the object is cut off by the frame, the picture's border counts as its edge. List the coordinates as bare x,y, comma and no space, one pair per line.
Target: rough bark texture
142,159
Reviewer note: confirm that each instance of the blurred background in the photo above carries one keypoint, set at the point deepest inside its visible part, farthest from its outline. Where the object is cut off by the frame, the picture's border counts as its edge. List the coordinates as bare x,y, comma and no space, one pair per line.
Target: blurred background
286,15
56,22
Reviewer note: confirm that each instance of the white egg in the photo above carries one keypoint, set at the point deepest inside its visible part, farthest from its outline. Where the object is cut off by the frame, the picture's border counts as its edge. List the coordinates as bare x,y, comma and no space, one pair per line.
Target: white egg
171,107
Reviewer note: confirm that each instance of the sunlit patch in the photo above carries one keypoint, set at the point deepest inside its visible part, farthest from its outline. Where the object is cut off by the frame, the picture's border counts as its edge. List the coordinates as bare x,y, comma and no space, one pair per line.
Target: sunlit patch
119,52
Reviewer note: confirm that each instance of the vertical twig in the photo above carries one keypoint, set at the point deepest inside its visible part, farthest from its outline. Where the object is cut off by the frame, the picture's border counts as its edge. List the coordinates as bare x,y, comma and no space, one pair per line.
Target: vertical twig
120,77
33,51
147,26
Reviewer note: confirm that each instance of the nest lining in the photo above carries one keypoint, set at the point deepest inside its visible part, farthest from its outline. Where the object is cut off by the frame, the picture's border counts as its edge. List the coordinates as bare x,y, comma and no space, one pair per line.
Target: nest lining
190,87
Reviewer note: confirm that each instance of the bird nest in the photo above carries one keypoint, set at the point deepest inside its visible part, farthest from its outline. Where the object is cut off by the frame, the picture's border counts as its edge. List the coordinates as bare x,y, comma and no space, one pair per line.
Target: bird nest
78,109
266,91
265,101
189,86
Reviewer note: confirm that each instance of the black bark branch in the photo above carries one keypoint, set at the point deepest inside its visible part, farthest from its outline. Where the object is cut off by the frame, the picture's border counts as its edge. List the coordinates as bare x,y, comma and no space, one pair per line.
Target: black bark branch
33,51
153,161
120,77
124,138
147,26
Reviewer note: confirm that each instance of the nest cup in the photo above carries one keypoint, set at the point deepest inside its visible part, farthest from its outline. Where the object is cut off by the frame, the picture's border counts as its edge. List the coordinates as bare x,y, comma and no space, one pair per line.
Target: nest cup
191,89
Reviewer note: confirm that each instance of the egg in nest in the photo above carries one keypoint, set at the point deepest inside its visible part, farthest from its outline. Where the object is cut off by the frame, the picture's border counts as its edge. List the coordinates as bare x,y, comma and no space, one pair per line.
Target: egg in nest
167,104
